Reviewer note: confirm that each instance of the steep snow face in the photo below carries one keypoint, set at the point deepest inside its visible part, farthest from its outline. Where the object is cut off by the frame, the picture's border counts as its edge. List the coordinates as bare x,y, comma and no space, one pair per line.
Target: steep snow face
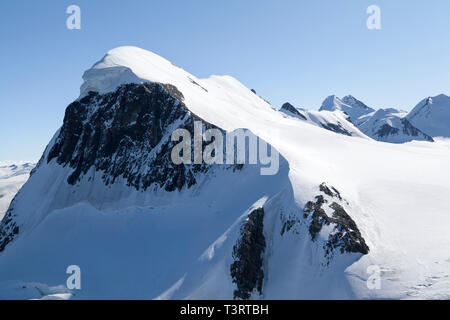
432,116
13,175
390,125
349,104
382,205
335,121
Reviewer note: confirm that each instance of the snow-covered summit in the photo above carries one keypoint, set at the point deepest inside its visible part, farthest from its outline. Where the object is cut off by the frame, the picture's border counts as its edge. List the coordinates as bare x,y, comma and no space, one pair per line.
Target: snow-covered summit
129,64
432,115
349,104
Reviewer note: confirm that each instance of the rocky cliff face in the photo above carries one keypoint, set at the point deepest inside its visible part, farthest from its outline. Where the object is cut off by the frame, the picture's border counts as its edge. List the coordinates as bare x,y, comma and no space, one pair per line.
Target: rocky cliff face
328,224
327,211
247,269
324,223
127,133
123,134
8,228
287,107
386,131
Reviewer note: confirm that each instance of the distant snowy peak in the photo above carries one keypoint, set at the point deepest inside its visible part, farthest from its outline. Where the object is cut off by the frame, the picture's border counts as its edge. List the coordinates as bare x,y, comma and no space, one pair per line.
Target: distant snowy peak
390,125
289,108
335,121
349,104
331,103
432,115
430,118
352,101
352,117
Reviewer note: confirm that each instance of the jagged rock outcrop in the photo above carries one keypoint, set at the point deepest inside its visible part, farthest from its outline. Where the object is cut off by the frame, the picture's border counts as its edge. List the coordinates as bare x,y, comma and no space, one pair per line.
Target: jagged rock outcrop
406,128
8,229
345,235
336,127
290,108
246,270
127,134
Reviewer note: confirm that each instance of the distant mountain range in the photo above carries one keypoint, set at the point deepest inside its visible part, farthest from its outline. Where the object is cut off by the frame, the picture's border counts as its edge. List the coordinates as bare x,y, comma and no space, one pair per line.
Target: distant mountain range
429,119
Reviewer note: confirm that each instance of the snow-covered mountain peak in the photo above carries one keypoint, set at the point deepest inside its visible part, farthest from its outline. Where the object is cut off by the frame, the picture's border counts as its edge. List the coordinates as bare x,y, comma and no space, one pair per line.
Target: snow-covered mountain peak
440,98
331,103
432,115
349,104
129,64
209,97
352,101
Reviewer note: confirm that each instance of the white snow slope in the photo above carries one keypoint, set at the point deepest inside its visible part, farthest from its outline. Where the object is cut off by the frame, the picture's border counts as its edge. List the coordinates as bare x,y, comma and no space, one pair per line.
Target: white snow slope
432,116
134,244
12,176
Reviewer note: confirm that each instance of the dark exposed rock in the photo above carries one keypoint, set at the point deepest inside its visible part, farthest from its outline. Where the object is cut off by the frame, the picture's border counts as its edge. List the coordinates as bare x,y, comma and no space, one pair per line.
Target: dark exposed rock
290,108
246,270
387,130
127,134
345,236
349,119
407,129
8,228
288,225
192,81
338,128
330,191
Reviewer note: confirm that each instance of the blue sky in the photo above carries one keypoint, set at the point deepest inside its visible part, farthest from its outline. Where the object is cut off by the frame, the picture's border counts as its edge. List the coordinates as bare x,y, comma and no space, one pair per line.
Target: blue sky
288,50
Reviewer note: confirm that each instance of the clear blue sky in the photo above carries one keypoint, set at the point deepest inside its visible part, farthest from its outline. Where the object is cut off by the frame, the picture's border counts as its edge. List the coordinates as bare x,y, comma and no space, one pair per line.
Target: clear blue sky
297,51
